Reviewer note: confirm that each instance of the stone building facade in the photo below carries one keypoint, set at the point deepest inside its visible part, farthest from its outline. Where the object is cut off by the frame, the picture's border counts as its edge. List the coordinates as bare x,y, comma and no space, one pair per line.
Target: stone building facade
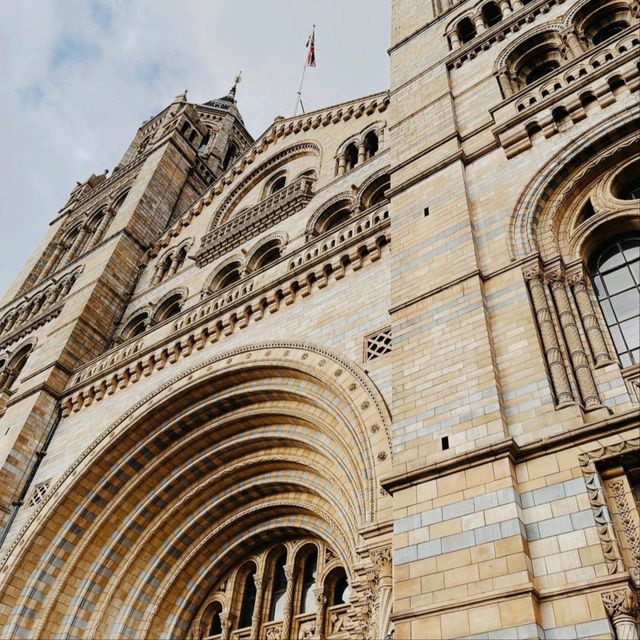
374,373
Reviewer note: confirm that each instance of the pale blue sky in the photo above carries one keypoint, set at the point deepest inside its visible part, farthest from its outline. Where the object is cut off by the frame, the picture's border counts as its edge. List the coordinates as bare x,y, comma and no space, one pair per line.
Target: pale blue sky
80,76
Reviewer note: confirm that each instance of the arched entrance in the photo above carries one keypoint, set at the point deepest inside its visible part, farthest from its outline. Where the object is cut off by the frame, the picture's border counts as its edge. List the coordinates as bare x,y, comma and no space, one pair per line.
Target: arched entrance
263,444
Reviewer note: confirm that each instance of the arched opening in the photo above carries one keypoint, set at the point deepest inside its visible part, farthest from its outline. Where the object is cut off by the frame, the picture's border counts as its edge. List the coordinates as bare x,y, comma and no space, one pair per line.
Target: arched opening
491,14
626,183
351,154
466,30
278,587
204,142
370,144
215,625
230,156
248,601
169,308
257,450
536,57
13,368
541,66
266,254
278,184
137,325
334,216
601,21
307,599
374,194
227,276
615,272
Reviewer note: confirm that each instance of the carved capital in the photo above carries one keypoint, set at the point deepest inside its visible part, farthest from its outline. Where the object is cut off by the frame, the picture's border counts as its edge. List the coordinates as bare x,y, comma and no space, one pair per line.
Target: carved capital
532,272
381,559
622,602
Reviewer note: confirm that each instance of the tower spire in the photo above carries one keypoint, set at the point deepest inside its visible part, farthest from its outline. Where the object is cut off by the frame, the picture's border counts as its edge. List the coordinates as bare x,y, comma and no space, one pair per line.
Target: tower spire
236,81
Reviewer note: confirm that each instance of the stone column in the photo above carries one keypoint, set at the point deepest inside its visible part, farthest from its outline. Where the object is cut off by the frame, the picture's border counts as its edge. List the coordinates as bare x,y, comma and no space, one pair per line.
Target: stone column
505,82
342,164
101,228
11,321
478,21
454,38
505,7
571,40
622,608
175,263
288,601
321,603
36,306
382,560
225,623
553,355
577,282
516,4
577,355
159,274
256,618
53,261
76,246
362,152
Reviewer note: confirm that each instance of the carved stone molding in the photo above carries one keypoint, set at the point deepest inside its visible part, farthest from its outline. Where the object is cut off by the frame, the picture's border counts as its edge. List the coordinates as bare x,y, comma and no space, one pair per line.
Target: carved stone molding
620,602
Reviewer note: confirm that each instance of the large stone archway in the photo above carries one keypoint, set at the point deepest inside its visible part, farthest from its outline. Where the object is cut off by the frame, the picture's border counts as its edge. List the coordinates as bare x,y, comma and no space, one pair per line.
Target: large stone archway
258,443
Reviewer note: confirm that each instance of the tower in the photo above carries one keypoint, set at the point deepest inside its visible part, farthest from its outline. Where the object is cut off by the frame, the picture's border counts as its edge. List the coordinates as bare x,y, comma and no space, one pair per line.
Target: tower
64,307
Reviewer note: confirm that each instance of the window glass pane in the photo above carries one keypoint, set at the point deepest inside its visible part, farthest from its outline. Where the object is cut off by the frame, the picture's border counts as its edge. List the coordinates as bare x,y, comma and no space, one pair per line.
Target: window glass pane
608,313
618,280
612,257
625,360
635,270
599,287
626,305
635,354
621,347
248,601
279,588
307,598
631,248
631,331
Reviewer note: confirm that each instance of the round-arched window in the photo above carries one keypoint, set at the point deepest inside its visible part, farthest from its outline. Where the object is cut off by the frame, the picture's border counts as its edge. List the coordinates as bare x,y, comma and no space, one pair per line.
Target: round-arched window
615,272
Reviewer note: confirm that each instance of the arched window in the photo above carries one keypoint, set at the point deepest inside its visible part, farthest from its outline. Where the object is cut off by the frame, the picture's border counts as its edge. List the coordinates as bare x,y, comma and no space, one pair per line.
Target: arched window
215,626
335,215
626,184
278,588
491,14
466,30
278,184
307,597
615,271
169,308
371,144
351,153
136,326
248,600
14,367
540,67
600,21
339,591
230,156
228,275
267,253
375,193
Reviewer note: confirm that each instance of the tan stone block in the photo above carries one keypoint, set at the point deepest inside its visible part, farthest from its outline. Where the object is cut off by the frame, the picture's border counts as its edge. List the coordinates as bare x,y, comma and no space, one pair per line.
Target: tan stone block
451,483
454,559
483,619
426,628
516,612
454,624
571,610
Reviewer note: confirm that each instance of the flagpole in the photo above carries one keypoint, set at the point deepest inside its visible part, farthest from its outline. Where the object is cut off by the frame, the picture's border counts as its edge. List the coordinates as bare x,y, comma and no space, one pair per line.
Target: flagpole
304,71
299,100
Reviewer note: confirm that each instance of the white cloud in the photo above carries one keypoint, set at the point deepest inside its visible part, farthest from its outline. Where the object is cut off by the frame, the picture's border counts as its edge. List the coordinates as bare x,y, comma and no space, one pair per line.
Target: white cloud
80,76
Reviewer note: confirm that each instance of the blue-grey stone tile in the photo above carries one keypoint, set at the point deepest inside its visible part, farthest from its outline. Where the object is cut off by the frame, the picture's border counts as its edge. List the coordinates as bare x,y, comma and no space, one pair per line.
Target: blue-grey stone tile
489,533
583,519
555,526
432,516
457,509
549,494
405,554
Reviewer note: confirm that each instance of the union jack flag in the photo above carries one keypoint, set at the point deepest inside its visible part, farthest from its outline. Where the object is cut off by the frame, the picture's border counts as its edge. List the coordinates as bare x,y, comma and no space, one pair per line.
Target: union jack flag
311,49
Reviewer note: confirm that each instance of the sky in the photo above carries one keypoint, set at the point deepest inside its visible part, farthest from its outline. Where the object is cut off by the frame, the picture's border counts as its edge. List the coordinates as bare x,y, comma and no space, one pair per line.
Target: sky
80,76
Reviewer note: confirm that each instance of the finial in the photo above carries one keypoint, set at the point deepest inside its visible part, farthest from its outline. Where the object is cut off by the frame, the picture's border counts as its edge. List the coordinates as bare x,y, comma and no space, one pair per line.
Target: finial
236,81
182,97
